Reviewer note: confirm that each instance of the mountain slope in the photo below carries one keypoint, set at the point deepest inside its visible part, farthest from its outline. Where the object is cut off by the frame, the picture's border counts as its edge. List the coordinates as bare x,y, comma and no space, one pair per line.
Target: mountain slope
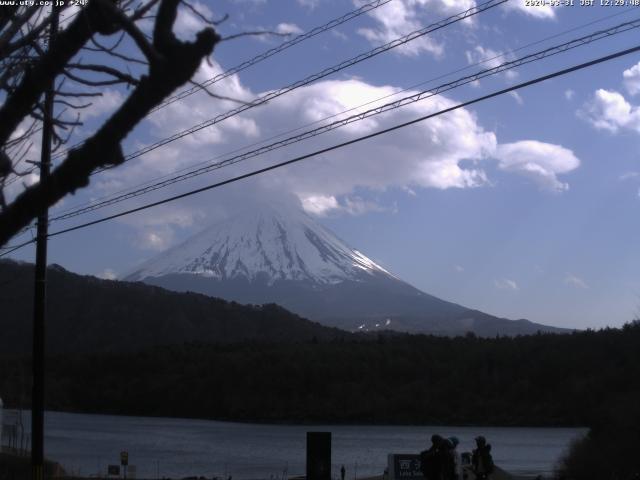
86,314
268,243
281,255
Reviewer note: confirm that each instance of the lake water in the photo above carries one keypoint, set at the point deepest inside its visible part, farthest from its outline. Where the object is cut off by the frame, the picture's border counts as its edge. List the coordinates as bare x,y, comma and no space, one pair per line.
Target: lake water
175,447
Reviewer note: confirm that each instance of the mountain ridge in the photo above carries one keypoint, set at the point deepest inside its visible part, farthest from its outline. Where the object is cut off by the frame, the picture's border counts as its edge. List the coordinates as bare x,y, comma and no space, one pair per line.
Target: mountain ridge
281,255
88,314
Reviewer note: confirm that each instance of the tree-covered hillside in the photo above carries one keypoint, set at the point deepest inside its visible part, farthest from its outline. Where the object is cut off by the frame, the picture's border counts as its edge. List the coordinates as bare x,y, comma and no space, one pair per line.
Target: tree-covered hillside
535,380
87,314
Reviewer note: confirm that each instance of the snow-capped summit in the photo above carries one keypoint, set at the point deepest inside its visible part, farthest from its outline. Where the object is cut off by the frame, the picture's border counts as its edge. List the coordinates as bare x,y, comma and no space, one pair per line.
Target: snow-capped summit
271,242
278,254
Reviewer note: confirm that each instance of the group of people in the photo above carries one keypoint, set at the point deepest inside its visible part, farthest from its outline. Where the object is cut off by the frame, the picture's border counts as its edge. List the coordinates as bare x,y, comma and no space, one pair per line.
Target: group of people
442,461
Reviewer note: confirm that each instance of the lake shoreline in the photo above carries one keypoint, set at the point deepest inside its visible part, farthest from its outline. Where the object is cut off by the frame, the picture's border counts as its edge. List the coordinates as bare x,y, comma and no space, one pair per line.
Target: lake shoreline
87,444
19,465
310,423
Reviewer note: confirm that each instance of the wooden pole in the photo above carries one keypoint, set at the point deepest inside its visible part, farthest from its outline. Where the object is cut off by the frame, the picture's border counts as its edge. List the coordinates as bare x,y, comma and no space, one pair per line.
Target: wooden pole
39,302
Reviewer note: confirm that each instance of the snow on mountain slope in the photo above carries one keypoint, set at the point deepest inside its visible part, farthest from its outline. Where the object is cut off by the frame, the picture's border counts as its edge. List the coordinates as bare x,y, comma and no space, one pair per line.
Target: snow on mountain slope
278,242
277,254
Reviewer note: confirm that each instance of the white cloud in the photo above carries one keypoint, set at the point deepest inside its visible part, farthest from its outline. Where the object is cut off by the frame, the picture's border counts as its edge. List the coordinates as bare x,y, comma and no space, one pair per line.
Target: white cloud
569,94
489,58
156,229
542,12
542,162
631,78
516,96
447,151
339,34
155,239
628,176
429,154
320,205
575,281
289,28
426,155
410,191
609,110
169,214
202,145
30,147
506,284
187,23
458,268
106,104
358,206
401,17
310,4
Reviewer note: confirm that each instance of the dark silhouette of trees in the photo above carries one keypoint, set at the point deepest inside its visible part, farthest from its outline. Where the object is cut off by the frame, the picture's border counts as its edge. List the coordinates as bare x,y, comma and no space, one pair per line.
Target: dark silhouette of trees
581,379
28,65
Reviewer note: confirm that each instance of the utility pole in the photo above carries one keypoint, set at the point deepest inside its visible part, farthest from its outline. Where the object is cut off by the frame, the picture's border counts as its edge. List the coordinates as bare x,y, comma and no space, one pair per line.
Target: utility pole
39,301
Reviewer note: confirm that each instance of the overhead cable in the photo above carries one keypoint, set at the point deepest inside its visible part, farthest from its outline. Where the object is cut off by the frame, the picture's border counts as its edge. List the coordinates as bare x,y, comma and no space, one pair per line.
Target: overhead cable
312,78
402,102
351,109
300,158
273,51
263,56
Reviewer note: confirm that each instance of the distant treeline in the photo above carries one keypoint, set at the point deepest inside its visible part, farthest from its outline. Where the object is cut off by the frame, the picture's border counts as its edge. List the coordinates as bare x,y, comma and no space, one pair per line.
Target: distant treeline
540,380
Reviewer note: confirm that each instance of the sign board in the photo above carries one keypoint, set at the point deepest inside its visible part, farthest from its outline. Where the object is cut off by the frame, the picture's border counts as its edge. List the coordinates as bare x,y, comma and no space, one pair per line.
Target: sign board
124,458
405,466
113,470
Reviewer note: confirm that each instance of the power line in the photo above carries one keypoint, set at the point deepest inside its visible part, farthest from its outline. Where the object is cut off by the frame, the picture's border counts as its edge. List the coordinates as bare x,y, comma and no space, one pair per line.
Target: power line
543,78
412,87
273,51
316,76
262,56
13,248
344,144
585,40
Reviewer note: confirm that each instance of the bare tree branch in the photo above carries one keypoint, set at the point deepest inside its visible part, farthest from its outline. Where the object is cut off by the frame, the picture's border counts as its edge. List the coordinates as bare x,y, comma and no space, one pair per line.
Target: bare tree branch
95,18
16,26
136,34
109,51
215,95
26,39
73,105
174,62
99,83
197,13
253,34
142,11
123,77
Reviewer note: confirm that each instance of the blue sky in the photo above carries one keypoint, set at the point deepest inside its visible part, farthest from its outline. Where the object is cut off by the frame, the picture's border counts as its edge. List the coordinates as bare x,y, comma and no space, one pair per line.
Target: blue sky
524,206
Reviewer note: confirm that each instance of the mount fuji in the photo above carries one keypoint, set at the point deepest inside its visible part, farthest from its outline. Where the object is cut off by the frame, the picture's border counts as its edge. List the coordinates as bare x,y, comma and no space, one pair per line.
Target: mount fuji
278,254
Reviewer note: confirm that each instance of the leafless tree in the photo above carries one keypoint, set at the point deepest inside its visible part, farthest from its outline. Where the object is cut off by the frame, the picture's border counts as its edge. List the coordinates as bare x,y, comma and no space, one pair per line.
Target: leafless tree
28,65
